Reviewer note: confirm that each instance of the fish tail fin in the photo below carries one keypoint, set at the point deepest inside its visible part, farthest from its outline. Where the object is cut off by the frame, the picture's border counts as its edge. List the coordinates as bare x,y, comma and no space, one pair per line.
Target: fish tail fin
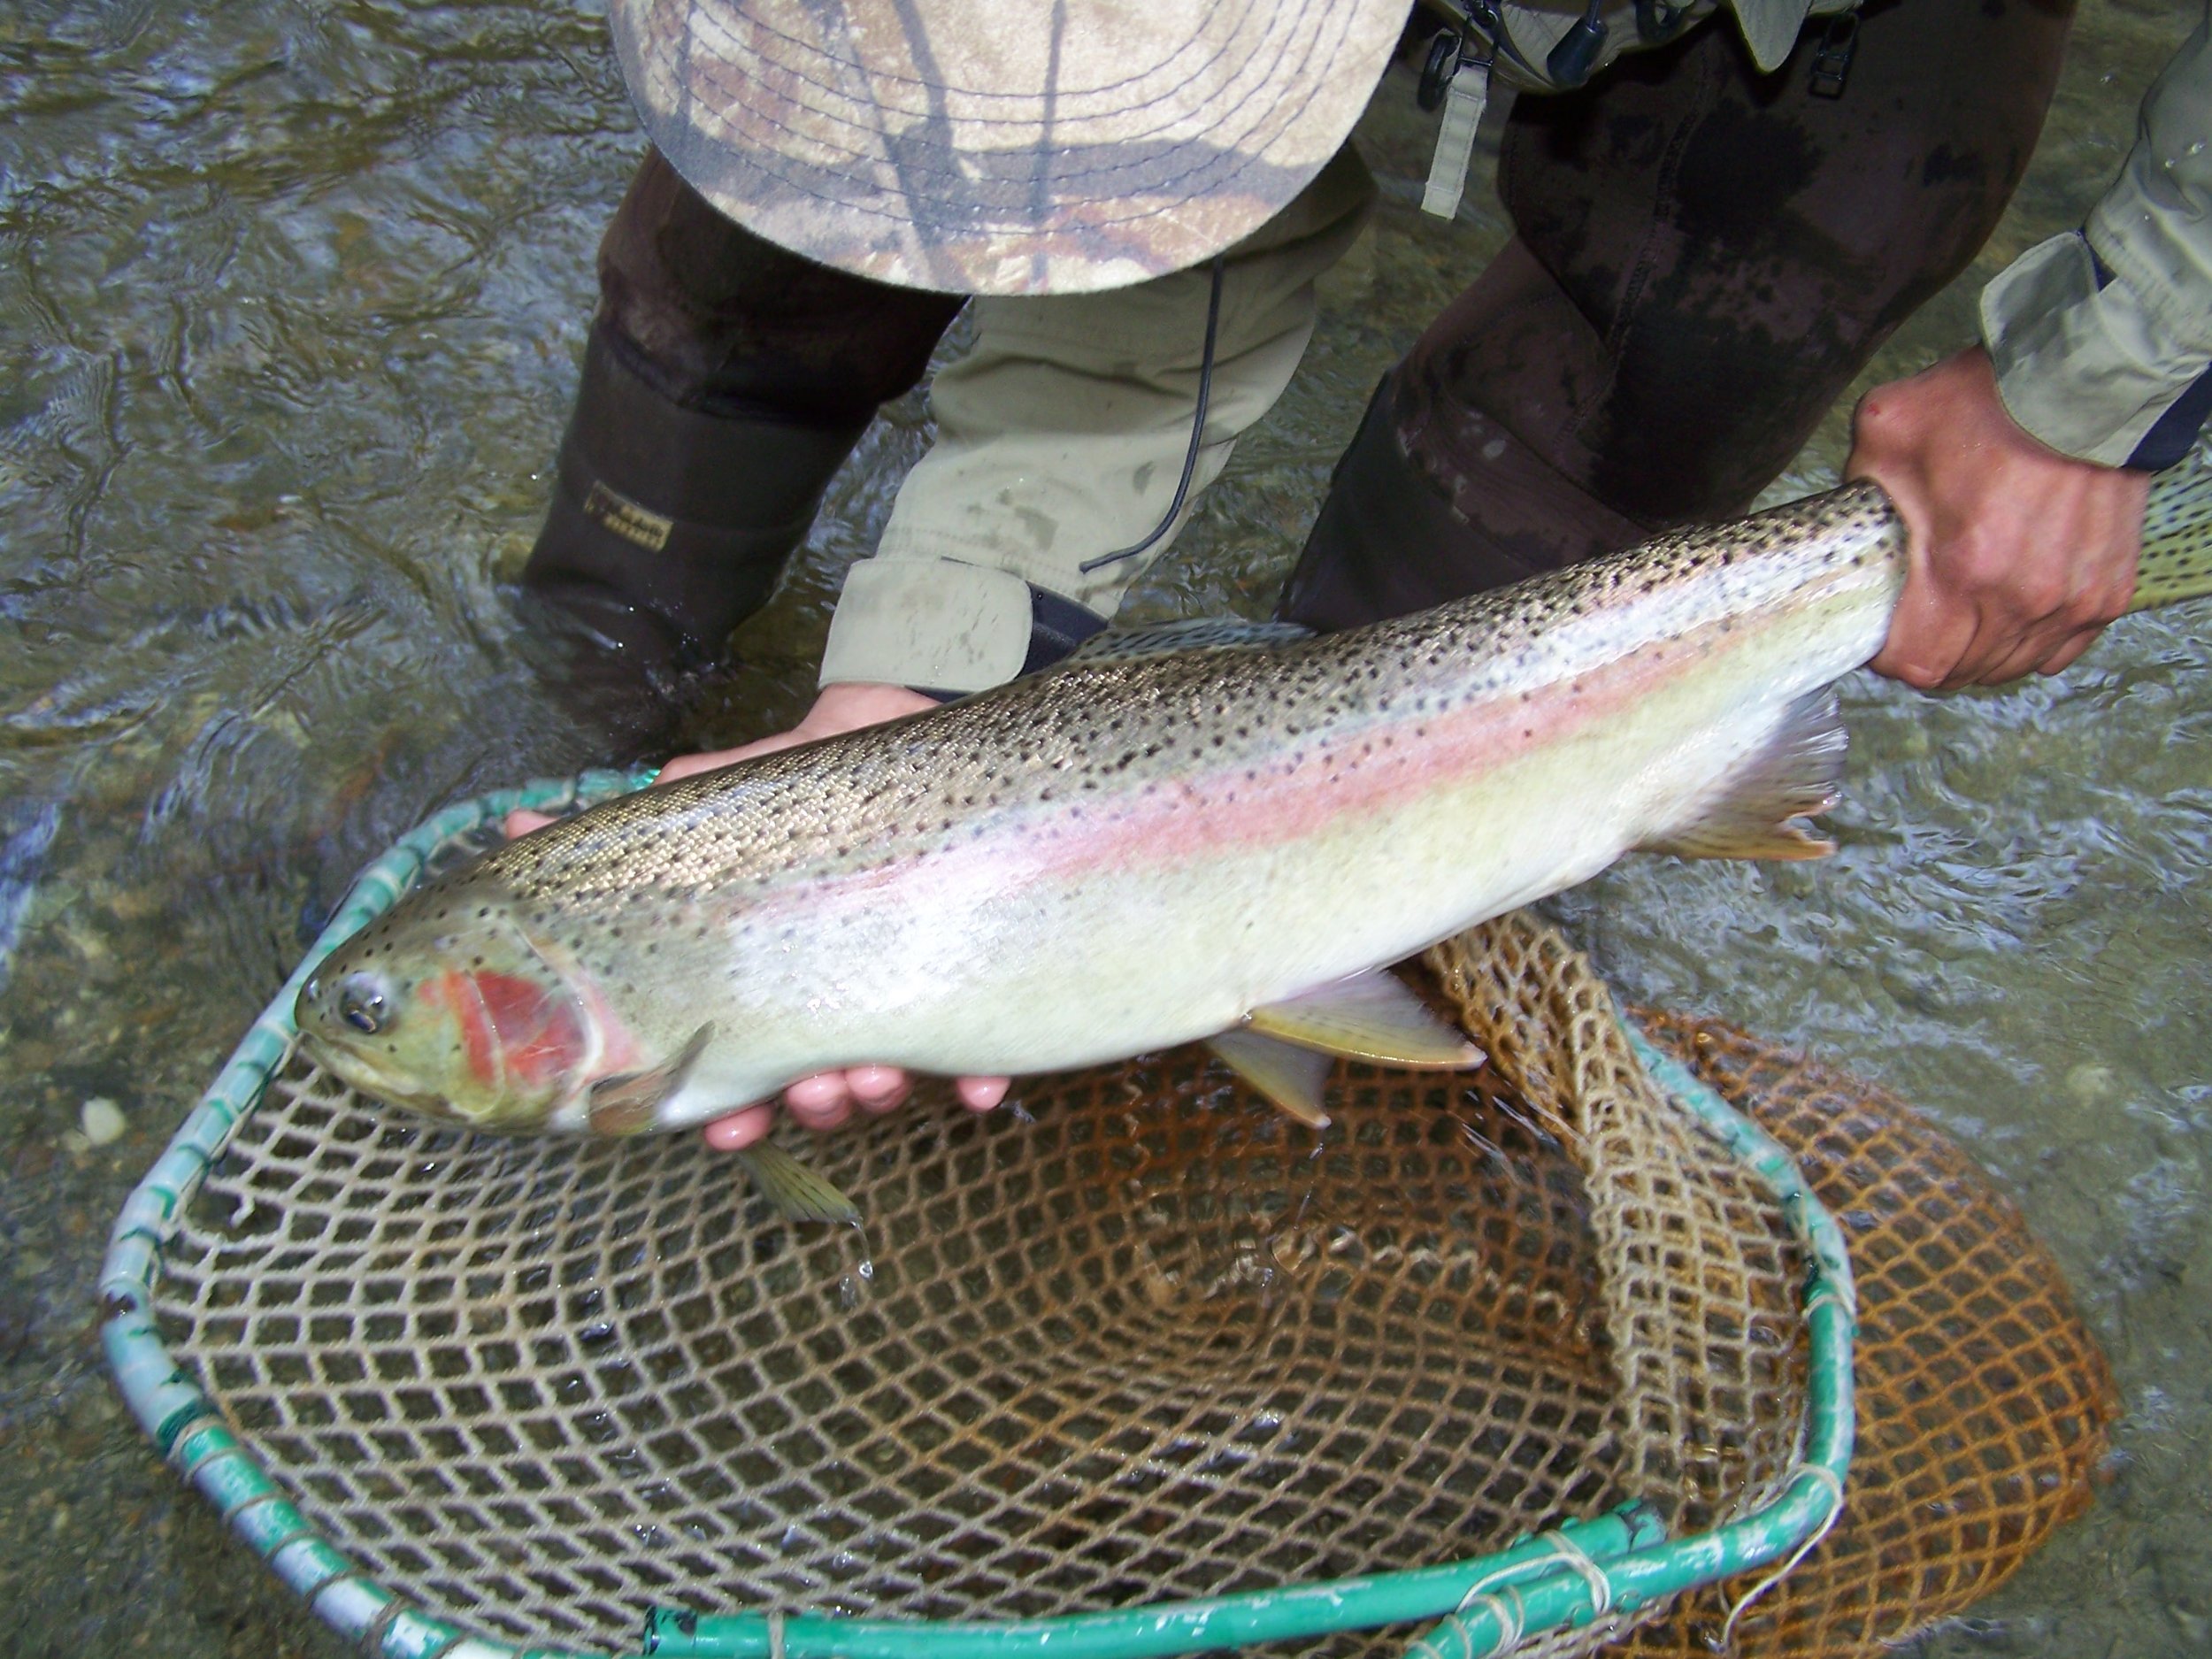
796,1191
2177,558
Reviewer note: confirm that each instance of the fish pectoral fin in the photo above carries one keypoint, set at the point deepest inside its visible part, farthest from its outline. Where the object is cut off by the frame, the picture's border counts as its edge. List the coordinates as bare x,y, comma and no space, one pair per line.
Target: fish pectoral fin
629,1102
1163,639
1372,1015
1799,772
796,1191
1288,1075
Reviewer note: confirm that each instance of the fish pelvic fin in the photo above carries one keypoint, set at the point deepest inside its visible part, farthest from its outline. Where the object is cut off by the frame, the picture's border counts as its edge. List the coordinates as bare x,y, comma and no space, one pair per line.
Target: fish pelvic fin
1800,771
1372,1015
1289,1076
796,1191
1283,1049
629,1102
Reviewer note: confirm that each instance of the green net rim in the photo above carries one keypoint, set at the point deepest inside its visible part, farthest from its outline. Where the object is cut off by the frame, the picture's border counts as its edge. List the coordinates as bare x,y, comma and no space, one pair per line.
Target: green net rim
1580,1573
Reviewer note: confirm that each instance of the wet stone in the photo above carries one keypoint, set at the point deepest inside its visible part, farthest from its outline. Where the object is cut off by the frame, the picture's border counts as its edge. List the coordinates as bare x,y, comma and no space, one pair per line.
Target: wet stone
102,1122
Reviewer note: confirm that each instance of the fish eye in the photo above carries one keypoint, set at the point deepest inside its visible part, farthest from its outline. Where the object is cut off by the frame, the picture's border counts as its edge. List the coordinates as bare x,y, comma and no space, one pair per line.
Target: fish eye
362,1004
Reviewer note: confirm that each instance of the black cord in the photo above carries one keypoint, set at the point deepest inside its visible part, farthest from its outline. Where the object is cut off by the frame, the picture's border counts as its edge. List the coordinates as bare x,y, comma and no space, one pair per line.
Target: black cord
1197,432
1483,17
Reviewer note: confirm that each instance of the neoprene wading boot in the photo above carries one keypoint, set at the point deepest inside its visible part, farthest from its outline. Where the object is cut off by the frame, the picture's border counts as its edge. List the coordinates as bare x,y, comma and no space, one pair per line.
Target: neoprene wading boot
668,528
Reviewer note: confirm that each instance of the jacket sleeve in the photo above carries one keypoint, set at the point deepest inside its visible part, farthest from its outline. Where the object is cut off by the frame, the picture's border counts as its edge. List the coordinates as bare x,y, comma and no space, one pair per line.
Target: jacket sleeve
2102,338
1061,435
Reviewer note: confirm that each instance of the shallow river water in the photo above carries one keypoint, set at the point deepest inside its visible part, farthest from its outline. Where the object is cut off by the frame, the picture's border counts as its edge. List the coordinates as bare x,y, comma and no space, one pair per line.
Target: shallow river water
291,295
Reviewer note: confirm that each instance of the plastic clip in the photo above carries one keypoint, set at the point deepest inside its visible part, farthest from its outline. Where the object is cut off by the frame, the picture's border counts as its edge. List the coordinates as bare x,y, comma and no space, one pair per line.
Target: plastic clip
1832,59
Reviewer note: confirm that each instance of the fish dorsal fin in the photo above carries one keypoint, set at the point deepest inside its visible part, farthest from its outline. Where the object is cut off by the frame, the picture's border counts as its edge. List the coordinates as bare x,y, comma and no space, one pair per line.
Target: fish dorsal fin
1288,1075
1372,1015
1163,639
627,1103
1798,772
796,1191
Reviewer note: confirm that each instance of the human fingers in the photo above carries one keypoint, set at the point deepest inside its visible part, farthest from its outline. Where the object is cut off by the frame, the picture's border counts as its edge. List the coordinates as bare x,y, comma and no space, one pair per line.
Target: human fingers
521,821
844,707
828,1100
2041,620
2010,660
982,1094
686,765
877,1088
2014,549
2011,649
740,1129
1929,636
821,1102
2061,659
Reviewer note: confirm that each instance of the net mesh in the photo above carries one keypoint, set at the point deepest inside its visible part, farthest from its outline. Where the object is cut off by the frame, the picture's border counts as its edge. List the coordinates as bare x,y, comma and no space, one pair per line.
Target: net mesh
1984,1404
1139,1340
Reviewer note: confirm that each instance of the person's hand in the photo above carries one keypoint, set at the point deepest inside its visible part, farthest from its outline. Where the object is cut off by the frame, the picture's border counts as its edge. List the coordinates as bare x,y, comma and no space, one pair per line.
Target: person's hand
828,1099
2018,555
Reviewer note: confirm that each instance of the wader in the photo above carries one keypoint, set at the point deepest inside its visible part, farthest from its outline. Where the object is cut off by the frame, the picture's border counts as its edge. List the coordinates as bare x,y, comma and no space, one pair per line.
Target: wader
724,383
1704,259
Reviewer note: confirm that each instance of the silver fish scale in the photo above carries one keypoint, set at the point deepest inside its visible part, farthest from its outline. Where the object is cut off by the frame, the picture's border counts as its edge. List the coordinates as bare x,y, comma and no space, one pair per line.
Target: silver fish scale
1120,729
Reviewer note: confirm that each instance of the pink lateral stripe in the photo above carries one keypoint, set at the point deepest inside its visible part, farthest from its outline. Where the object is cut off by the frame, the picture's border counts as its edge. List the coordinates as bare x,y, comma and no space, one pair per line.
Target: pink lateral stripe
1366,772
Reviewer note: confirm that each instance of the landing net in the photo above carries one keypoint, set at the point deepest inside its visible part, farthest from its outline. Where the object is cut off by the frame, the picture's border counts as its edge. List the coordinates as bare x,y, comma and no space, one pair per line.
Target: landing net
1137,1368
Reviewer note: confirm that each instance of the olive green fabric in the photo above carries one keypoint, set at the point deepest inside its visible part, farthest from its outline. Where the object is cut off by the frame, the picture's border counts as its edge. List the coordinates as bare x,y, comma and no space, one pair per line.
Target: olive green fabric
2090,370
1061,435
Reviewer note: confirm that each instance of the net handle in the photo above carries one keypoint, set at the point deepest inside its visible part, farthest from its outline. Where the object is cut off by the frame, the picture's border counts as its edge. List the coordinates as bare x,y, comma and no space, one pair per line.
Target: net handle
1541,1572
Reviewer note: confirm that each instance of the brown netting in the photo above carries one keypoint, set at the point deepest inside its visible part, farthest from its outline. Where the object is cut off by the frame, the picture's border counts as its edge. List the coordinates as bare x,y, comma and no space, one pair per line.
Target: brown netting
1140,1341
1984,1404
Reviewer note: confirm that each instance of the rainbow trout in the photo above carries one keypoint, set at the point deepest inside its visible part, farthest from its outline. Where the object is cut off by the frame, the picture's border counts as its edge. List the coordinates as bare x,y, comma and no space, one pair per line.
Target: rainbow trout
1164,840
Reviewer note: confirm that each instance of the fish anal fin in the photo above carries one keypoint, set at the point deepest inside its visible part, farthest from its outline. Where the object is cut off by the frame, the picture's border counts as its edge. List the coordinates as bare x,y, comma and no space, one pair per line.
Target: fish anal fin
1372,1015
1798,772
629,1102
1286,1074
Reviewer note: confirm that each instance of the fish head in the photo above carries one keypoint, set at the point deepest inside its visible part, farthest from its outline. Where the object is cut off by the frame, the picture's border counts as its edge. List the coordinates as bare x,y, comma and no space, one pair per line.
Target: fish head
449,1010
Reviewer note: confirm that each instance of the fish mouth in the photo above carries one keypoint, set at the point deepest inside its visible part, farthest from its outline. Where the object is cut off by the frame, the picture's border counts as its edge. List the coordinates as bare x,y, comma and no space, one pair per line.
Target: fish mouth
384,1085
368,1077
375,1078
